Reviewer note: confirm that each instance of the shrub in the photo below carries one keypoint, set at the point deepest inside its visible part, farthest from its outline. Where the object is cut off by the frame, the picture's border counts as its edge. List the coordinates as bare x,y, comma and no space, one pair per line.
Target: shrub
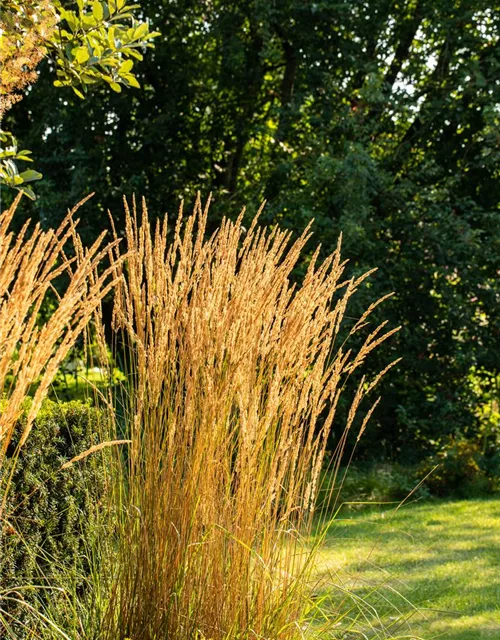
463,469
359,486
51,511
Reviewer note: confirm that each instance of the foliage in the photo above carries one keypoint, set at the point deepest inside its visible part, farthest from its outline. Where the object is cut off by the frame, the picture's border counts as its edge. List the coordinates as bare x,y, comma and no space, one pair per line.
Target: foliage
97,43
52,512
40,501
26,29
9,173
358,486
32,349
461,468
376,119
468,461
234,380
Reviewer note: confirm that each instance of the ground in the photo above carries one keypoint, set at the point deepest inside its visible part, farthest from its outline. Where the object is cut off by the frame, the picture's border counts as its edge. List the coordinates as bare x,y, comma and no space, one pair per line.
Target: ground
442,557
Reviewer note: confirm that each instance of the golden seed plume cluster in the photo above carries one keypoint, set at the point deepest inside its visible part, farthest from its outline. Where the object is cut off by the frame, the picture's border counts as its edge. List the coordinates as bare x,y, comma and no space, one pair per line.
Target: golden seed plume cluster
235,374
31,350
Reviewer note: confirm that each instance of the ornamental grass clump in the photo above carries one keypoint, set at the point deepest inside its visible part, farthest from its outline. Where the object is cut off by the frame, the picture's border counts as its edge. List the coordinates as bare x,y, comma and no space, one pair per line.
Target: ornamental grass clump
235,373
31,350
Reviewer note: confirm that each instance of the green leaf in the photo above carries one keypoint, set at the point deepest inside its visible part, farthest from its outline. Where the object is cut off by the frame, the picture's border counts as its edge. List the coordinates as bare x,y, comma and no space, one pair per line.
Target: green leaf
30,175
81,54
141,31
78,93
10,167
97,10
131,80
89,22
28,191
111,38
134,53
116,87
71,19
68,52
126,66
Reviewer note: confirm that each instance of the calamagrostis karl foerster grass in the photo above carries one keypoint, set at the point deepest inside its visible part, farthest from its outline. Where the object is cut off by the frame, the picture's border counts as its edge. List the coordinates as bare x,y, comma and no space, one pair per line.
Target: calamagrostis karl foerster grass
234,380
30,350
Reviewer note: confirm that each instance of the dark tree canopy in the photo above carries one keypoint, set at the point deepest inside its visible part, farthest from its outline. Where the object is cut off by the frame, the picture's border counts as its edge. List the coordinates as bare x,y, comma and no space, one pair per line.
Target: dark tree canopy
377,118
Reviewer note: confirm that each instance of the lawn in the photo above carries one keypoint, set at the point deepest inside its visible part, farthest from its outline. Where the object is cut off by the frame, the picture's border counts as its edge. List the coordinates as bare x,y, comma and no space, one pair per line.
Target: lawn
442,557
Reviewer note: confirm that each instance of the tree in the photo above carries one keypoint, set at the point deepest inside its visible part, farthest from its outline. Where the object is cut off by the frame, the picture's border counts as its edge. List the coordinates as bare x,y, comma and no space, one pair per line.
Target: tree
378,119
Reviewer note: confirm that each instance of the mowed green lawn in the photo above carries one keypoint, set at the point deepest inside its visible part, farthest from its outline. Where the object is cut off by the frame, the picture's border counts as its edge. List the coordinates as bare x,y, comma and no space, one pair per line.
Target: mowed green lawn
424,571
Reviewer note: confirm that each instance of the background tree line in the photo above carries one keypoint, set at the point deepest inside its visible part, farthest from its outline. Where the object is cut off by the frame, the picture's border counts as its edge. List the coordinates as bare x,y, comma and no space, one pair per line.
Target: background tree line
379,119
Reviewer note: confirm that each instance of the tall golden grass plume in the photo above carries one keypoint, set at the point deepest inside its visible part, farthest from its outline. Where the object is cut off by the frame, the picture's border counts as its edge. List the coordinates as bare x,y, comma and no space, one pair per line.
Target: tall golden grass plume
31,351
235,377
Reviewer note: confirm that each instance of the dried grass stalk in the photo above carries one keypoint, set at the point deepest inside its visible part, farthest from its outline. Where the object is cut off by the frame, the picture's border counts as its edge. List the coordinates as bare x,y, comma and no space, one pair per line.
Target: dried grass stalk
31,351
91,450
235,378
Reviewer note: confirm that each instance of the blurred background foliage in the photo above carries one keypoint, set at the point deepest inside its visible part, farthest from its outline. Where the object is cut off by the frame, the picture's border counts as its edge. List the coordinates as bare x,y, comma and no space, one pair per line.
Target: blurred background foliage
379,119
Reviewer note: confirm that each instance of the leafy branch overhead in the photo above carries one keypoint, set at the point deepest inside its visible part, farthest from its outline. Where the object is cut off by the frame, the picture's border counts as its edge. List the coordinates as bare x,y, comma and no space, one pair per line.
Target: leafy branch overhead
96,43
99,42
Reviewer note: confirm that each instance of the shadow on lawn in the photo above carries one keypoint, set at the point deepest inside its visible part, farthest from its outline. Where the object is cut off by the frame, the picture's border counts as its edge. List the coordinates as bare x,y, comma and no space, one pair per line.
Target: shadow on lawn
429,569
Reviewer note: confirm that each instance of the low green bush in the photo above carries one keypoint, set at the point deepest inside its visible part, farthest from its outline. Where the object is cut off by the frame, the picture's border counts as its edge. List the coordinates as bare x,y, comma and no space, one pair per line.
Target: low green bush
462,468
50,512
360,485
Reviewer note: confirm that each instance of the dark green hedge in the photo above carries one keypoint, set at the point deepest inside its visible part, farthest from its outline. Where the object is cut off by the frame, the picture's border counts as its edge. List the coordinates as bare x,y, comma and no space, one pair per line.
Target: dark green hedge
51,512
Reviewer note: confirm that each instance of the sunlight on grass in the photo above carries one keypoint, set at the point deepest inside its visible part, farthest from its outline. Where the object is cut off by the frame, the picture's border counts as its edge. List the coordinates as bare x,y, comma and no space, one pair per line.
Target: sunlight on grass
442,557
83,384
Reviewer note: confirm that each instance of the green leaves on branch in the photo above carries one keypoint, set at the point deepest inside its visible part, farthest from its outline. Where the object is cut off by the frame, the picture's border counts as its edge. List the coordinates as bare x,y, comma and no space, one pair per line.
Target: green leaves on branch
99,42
9,172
